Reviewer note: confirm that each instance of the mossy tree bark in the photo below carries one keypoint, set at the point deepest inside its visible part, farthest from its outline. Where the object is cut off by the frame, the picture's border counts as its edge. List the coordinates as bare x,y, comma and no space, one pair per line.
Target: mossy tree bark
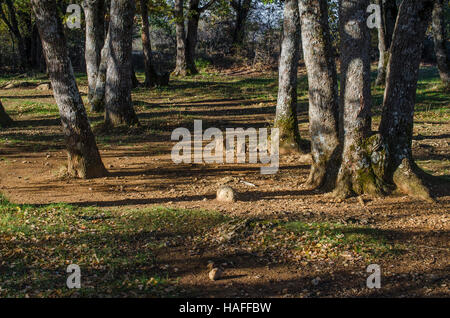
118,103
323,93
5,120
94,14
286,111
396,126
440,40
151,76
83,156
356,175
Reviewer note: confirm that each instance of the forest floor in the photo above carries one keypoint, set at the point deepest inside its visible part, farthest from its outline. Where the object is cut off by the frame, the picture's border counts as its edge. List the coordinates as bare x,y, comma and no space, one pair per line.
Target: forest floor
151,227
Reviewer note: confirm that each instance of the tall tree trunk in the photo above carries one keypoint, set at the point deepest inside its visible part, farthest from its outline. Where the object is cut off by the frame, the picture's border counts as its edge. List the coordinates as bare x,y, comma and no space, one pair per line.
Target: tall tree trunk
382,48
286,111
118,103
5,120
98,100
94,12
151,76
356,175
440,40
181,62
83,156
396,126
323,93
191,36
242,9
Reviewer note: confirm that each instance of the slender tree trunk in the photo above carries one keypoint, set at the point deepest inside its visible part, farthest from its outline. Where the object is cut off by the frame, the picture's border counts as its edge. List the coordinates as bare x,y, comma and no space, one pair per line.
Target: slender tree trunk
396,125
118,103
356,175
323,93
94,13
191,36
83,156
98,100
382,49
5,120
181,62
286,111
440,40
151,76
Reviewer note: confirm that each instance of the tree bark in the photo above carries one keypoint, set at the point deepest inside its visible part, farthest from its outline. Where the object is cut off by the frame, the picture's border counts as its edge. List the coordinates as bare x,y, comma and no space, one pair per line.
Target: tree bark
5,120
83,156
98,100
356,175
151,76
191,36
396,126
118,103
323,93
94,13
286,111
440,40
242,9
181,62
382,48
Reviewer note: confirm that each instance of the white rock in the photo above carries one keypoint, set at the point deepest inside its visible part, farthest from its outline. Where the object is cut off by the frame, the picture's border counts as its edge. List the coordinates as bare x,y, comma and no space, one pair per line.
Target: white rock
226,194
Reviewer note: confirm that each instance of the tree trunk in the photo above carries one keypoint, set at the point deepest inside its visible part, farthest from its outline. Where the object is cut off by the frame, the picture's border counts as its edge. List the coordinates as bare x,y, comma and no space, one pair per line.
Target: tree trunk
5,120
83,156
241,8
356,175
118,103
390,13
94,13
382,49
151,76
181,62
98,100
396,126
191,37
323,93
286,111
440,40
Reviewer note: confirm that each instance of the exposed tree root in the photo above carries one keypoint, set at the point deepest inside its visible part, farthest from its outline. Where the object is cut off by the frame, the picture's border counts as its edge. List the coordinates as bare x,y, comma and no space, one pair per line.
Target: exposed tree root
406,178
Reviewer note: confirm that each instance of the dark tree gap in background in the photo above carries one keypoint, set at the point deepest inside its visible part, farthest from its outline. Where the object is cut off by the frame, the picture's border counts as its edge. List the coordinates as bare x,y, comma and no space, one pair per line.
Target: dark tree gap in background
94,13
118,103
286,110
323,93
83,156
397,119
440,40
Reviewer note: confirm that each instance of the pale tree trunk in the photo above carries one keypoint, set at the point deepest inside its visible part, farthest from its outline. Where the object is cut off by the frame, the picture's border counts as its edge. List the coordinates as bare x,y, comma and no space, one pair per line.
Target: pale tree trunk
181,62
396,126
94,13
151,76
118,103
98,100
286,111
440,40
323,93
191,36
356,175
83,156
5,120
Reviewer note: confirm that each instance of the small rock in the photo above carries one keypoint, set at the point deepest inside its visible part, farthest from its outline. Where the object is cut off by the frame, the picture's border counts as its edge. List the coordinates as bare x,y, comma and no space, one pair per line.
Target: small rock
226,194
215,274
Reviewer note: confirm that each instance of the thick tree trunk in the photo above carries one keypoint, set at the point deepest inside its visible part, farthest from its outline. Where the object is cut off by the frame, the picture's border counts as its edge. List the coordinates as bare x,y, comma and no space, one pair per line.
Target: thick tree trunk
242,9
286,111
323,93
5,120
396,126
98,100
356,175
440,40
83,156
118,103
181,62
94,13
191,36
151,76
